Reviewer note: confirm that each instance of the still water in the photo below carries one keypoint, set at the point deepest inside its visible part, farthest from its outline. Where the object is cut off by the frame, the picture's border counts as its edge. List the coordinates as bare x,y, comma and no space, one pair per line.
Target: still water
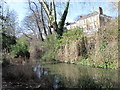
77,76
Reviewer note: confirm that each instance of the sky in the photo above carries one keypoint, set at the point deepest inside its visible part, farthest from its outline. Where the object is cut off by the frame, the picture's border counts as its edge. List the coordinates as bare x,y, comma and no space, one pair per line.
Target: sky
75,9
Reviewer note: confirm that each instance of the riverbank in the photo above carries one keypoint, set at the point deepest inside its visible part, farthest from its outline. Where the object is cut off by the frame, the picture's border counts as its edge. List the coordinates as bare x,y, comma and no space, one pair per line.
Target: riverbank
97,50
23,77
60,75
87,62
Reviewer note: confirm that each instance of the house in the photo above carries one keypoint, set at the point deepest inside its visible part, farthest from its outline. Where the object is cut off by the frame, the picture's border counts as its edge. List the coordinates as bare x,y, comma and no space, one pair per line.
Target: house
91,22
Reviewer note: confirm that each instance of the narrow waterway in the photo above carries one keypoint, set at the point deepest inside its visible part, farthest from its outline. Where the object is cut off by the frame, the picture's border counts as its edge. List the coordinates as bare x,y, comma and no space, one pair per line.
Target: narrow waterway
79,76
60,76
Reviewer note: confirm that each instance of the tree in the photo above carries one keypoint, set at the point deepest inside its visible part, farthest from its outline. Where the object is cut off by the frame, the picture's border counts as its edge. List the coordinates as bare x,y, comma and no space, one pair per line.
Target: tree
10,22
30,26
44,18
116,4
52,17
7,42
37,17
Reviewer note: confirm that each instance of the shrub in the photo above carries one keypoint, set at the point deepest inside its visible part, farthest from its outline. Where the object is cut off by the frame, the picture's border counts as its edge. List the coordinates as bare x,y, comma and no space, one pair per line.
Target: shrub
20,48
7,41
52,44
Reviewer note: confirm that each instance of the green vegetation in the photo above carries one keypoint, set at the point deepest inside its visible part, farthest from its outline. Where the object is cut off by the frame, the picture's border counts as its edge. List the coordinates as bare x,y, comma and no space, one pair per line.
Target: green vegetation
100,64
52,44
42,39
103,56
7,42
50,48
20,48
72,34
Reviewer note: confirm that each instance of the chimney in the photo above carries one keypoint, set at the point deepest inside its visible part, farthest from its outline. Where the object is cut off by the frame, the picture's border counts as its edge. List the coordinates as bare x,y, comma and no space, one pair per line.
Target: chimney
80,16
100,10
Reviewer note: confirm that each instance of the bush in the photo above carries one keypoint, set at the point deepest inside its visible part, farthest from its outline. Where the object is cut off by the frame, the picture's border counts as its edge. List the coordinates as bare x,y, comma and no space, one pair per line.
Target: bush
50,48
106,49
72,34
52,44
7,41
20,48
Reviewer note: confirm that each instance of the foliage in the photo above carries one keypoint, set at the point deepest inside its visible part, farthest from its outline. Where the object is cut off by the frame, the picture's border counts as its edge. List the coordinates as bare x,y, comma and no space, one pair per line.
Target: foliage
52,44
100,64
72,34
105,53
20,47
84,61
7,41
50,47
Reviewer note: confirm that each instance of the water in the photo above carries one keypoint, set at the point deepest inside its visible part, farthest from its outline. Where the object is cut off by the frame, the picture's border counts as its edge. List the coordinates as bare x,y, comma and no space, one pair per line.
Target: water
61,76
78,76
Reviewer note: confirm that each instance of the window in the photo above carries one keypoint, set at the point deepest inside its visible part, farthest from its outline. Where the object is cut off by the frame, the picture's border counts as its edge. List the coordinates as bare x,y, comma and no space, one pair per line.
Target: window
91,19
87,27
84,21
95,26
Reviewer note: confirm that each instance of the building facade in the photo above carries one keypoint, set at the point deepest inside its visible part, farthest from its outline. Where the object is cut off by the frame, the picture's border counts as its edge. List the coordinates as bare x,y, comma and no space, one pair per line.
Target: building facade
91,22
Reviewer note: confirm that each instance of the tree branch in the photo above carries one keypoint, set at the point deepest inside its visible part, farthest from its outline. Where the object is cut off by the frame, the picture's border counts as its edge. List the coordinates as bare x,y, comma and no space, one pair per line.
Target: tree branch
37,22
45,7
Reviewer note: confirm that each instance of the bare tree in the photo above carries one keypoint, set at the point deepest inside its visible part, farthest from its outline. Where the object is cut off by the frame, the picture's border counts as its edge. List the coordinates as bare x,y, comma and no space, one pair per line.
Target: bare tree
52,17
45,17
10,23
29,26
37,18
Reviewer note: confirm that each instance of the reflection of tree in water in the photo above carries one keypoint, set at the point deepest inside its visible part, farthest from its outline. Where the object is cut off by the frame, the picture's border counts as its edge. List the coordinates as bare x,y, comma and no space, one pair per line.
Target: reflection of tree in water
69,74
85,77
62,76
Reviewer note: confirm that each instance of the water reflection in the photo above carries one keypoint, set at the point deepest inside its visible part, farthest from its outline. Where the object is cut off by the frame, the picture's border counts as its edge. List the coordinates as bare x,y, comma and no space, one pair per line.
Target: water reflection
35,68
45,73
73,76
65,76
39,70
56,82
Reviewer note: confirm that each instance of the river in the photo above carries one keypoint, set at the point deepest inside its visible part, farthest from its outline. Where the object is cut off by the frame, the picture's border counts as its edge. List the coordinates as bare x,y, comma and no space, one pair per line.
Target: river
79,76
74,76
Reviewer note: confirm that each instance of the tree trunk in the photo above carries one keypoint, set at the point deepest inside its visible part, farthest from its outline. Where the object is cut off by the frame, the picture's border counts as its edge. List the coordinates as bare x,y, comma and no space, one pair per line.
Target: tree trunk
48,13
37,21
55,26
52,18
62,20
43,24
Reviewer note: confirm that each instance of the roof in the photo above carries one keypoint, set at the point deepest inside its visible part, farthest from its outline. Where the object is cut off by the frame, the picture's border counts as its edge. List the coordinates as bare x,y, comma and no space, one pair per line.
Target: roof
92,14
89,15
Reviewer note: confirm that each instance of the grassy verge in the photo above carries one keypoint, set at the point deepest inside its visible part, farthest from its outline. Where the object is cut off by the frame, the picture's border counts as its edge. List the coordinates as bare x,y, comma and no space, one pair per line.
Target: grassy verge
88,62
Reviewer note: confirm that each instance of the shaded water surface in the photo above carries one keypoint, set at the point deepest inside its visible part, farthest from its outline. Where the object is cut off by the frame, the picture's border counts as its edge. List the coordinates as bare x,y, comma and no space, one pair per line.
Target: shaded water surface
69,76
78,76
